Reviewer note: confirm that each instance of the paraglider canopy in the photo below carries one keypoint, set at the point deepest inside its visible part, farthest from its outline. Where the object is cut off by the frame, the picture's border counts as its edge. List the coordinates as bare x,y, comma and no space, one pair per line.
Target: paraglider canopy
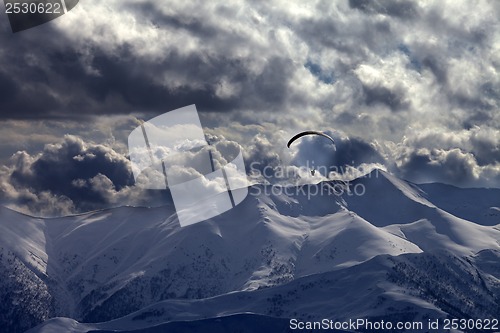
301,134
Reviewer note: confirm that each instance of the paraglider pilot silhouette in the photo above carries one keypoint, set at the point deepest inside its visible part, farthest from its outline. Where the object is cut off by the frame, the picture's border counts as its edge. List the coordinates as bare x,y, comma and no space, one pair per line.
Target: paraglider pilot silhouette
170,151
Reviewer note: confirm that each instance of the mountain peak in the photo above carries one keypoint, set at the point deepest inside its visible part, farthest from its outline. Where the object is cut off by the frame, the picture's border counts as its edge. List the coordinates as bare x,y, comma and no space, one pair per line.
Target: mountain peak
105,264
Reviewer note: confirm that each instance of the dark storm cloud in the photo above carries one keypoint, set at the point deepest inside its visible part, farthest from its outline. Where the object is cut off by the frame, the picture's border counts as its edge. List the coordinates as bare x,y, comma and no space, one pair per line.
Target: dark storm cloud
346,118
451,167
8,88
134,84
60,165
395,100
467,158
322,32
397,8
480,117
151,12
71,176
437,67
28,89
270,84
486,149
334,34
60,79
355,151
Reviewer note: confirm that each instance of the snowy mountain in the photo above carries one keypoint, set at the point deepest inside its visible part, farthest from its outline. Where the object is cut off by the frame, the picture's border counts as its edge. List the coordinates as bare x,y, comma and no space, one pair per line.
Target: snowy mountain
400,251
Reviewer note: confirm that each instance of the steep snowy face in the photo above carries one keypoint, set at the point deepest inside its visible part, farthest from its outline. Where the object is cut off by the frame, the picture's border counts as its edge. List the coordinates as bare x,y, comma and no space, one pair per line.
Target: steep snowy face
106,264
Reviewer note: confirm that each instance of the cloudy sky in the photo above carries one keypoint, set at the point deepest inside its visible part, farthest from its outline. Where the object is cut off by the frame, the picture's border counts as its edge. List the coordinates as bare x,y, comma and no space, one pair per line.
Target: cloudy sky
409,86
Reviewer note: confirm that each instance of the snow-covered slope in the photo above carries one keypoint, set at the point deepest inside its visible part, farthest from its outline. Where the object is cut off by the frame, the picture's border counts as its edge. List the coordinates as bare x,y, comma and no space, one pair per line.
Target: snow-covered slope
282,255
409,287
475,204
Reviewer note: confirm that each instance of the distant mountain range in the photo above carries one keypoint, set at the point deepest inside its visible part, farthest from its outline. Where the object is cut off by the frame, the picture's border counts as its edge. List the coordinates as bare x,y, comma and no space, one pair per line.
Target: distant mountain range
398,252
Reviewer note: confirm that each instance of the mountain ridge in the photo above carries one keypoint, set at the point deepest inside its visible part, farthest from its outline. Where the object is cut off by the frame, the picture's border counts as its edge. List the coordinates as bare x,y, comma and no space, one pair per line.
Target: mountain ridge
103,265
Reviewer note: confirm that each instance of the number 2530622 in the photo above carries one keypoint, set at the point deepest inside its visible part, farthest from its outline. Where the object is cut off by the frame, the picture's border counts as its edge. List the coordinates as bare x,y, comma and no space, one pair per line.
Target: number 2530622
33,8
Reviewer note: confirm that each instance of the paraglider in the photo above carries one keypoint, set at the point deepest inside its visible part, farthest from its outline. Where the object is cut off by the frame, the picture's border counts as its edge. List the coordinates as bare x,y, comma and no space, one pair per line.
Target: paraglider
301,134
